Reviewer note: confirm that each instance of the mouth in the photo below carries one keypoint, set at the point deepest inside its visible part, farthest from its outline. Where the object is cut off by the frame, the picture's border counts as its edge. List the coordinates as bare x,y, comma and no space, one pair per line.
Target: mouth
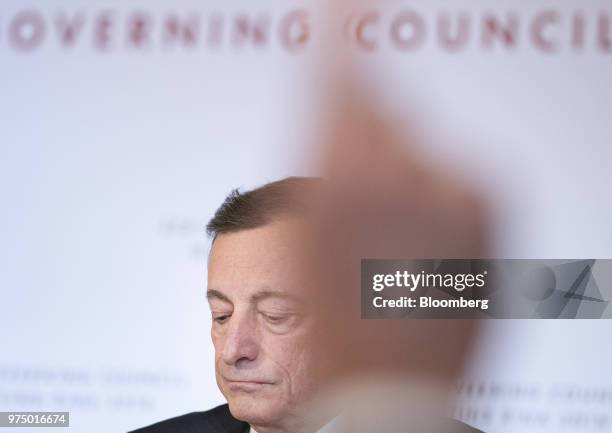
246,385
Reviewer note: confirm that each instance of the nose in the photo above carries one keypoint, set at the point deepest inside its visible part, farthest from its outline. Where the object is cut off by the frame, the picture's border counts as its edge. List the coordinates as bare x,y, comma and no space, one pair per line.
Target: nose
241,345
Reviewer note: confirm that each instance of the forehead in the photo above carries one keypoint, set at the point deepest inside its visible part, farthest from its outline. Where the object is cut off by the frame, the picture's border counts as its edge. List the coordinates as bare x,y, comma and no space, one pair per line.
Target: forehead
263,258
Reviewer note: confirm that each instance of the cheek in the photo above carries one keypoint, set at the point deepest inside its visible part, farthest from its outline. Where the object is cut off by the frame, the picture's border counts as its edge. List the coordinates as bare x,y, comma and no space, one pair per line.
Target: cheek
217,341
294,362
218,347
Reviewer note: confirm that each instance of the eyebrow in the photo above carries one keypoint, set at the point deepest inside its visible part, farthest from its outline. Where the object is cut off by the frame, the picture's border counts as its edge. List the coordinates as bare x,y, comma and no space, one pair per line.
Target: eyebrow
265,294
215,294
257,297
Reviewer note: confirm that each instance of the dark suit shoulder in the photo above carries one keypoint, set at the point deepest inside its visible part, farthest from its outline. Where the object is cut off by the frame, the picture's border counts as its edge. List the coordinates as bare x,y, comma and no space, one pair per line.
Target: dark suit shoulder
216,420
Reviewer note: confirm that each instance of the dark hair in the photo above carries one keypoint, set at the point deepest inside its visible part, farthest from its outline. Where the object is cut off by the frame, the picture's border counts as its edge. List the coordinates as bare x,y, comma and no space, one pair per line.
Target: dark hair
251,209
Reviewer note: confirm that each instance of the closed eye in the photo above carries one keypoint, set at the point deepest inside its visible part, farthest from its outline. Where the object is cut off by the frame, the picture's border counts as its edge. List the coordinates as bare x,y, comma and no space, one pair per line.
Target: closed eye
221,318
275,319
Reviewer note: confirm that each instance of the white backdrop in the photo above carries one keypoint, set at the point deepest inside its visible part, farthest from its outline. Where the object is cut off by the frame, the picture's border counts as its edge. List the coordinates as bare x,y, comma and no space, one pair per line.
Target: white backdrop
120,138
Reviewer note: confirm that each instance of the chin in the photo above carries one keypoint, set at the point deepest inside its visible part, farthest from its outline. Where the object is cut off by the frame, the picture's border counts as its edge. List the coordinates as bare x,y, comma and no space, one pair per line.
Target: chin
253,409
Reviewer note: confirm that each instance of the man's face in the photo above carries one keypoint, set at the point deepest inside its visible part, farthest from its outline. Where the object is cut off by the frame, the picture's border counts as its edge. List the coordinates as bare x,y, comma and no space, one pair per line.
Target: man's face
262,326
